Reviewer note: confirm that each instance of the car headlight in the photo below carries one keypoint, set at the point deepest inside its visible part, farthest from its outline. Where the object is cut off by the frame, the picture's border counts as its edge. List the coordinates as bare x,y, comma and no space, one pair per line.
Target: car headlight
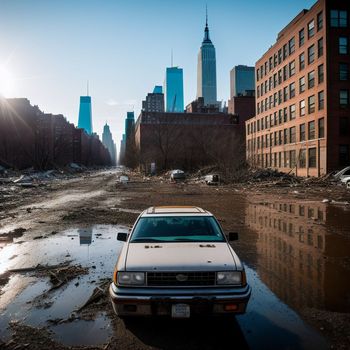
131,278
229,277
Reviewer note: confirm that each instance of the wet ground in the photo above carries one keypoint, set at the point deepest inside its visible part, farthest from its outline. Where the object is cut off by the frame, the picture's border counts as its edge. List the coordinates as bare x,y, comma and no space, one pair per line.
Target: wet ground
58,250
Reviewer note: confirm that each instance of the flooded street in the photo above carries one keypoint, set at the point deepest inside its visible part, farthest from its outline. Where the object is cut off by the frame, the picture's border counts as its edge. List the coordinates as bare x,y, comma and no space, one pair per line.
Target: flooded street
57,259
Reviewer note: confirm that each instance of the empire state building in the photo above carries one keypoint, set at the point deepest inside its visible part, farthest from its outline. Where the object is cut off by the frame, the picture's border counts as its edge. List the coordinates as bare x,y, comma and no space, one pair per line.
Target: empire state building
206,70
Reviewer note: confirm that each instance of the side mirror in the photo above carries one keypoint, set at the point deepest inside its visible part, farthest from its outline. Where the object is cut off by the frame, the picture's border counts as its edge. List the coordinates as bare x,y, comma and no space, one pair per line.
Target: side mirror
122,236
232,236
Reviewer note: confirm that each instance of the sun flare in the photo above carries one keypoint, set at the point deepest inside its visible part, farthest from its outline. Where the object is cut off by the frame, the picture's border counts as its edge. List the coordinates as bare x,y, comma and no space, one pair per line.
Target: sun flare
6,82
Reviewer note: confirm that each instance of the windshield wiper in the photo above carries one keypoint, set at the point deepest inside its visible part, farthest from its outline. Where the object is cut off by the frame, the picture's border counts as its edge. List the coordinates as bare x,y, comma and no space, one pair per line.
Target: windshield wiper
145,240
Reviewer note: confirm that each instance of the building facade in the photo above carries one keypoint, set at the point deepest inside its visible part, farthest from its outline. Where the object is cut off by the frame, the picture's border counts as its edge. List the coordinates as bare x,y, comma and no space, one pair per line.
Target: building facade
302,95
206,70
174,90
154,101
85,116
108,142
242,81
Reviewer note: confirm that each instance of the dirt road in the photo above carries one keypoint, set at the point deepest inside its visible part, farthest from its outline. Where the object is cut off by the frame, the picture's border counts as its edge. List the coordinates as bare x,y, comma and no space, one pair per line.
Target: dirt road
58,248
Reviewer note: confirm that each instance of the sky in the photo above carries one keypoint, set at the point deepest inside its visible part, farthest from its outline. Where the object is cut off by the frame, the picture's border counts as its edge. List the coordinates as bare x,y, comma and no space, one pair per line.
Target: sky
49,49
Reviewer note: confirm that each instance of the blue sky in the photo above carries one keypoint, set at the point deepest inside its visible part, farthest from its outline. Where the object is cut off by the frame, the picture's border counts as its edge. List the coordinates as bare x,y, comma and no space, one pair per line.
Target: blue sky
50,48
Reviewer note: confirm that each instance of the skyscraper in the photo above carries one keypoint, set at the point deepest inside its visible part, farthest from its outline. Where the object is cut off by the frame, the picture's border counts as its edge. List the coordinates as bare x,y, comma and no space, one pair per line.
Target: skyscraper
174,90
154,101
85,117
107,140
242,81
206,70
129,124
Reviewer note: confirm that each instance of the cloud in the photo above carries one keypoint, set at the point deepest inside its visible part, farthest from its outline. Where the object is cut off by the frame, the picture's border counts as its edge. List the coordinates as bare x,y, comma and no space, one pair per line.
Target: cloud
112,102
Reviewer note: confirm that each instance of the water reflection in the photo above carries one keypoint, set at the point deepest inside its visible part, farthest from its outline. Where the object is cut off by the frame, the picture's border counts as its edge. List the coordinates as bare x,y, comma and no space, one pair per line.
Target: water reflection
300,254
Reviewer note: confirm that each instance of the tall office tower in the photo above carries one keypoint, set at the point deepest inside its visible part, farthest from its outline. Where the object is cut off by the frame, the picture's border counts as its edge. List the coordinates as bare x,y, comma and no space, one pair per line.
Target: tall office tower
154,101
85,117
107,140
242,81
129,124
206,70
174,90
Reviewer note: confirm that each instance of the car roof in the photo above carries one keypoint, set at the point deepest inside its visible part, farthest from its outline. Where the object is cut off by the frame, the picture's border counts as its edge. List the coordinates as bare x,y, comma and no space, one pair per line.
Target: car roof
176,211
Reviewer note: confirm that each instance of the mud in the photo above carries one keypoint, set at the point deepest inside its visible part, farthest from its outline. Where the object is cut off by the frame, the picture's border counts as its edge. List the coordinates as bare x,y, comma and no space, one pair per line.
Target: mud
54,272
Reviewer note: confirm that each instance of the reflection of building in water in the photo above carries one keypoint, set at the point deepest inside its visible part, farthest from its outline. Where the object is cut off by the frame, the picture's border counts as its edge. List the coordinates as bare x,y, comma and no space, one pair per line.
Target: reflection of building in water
85,236
294,249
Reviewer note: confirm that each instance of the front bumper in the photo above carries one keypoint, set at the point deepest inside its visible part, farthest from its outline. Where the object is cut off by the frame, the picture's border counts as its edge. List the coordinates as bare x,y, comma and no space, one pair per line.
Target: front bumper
159,301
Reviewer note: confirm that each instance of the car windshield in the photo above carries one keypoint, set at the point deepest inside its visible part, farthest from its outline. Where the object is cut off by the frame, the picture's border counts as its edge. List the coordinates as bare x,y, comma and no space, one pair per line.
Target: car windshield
177,229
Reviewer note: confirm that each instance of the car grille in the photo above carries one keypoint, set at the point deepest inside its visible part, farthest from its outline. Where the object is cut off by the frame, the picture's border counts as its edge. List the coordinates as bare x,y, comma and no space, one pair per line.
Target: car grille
180,279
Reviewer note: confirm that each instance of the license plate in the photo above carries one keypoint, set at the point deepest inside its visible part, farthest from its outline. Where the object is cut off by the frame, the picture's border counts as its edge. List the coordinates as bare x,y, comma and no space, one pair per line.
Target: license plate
180,311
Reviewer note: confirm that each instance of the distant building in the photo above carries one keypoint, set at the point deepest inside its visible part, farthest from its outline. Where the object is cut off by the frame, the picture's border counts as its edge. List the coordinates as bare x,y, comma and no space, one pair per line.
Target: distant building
198,106
129,124
206,70
302,122
85,116
242,81
108,142
174,90
154,101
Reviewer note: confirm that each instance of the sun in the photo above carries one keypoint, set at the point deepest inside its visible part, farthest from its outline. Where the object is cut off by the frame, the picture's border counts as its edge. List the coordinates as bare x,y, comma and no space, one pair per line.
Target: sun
6,82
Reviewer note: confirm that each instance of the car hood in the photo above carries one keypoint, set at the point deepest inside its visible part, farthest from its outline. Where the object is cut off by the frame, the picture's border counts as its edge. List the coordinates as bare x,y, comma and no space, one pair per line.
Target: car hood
179,257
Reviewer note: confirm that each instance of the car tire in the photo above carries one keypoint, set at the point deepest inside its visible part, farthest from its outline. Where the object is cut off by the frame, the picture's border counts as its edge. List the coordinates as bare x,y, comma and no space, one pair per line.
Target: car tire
348,185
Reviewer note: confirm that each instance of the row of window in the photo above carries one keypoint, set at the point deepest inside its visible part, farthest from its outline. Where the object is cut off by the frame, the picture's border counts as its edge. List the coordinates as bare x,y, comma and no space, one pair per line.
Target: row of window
287,136
280,117
288,159
306,157
289,91
289,47
290,69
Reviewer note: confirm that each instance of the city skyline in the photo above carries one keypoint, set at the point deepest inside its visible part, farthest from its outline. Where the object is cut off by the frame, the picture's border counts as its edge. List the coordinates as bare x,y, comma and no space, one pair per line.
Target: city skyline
118,82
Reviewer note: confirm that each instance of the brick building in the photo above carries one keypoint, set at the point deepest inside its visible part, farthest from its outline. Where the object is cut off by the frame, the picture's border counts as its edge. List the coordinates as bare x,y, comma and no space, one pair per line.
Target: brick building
302,95
187,140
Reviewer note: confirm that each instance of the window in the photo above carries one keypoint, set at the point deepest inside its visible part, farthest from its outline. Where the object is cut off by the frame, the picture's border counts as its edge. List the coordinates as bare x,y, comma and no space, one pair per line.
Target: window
302,132
279,56
302,158
292,112
279,76
292,158
321,128
292,134
339,18
257,74
312,157
275,60
343,71
311,104
320,47
291,45
285,136
270,63
343,45
311,131
320,74
311,29
302,61
320,100
311,79
279,97
302,107
291,68
319,21
343,154
280,137
285,52
285,115
286,160
280,116
285,73
344,98
301,85
285,94
292,90
311,54
301,37
344,126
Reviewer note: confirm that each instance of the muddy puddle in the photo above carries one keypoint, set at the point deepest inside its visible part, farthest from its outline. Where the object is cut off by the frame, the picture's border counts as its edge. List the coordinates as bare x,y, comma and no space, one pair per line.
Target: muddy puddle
29,297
